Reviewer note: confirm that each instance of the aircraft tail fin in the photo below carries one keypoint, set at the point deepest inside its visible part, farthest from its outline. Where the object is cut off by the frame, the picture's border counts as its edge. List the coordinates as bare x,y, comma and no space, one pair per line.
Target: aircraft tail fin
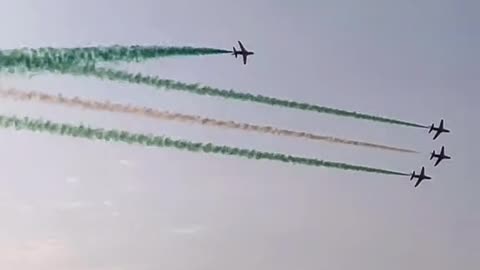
235,52
431,129
413,174
433,154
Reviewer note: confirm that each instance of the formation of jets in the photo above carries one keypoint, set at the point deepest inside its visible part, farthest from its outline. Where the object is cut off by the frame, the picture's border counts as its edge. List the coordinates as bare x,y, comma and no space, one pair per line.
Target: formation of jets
441,156
438,130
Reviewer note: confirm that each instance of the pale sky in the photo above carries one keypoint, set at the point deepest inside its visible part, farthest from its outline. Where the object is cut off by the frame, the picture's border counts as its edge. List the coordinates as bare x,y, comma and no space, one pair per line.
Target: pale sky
75,204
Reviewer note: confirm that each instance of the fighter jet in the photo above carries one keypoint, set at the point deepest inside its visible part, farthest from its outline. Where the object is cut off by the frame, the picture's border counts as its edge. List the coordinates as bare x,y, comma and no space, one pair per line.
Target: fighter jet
420,177
440,156
243,52
438,129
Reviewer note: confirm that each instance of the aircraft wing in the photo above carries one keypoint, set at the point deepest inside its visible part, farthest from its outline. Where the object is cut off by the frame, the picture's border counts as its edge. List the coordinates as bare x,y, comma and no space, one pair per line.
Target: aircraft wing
438,161
418,182
241,46
244,59
436,134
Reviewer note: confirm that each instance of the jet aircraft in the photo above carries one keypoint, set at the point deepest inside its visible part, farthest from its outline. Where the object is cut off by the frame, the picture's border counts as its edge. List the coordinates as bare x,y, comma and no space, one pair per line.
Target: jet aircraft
438,129
440,156
420,177
242,52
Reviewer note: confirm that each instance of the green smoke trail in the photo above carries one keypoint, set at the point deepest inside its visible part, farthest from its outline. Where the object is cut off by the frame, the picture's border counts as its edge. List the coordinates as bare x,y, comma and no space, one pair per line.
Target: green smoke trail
138,78
23,64
82,131
74,56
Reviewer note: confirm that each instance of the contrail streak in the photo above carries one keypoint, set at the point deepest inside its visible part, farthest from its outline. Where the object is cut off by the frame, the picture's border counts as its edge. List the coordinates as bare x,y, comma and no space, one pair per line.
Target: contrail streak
115,53
195,119
86,132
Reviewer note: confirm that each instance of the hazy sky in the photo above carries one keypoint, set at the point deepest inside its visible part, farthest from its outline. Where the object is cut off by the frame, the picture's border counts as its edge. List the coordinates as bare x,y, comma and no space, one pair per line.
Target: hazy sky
76,204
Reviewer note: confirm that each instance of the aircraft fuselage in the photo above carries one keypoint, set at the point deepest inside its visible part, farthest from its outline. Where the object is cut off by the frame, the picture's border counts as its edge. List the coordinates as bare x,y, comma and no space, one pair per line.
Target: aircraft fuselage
242,53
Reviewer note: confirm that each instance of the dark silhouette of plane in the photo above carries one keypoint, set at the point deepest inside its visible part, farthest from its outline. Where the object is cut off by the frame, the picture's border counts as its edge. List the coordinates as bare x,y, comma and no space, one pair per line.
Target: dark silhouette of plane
243,52
420,177
440,156
438,129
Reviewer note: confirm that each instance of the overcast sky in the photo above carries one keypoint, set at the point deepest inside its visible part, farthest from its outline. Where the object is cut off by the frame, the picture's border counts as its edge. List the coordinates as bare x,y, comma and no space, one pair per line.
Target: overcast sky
75,204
